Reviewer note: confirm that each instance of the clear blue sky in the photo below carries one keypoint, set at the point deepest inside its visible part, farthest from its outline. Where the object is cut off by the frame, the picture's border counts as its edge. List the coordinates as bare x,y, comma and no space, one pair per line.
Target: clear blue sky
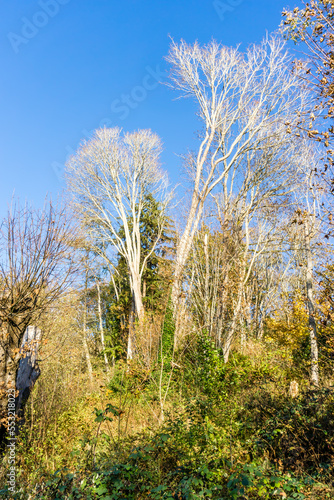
70,66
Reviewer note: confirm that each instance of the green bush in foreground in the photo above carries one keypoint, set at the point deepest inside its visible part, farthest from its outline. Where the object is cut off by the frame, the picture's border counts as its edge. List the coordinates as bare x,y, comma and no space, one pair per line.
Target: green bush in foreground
234,434
185,461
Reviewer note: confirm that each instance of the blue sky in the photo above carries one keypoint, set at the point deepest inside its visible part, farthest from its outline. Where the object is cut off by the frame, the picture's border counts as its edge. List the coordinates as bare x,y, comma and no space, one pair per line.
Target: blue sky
70,66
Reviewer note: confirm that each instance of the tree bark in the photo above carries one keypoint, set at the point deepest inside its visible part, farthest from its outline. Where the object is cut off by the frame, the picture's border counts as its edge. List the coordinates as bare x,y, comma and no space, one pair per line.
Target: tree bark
228,342
18,372
28,371
101,327
311,308
84,334
183,250
131,337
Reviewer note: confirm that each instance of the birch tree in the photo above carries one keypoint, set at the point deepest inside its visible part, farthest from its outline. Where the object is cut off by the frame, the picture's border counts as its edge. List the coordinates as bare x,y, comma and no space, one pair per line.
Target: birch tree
110,176
242,98
106,362
255,193
307,232
253,198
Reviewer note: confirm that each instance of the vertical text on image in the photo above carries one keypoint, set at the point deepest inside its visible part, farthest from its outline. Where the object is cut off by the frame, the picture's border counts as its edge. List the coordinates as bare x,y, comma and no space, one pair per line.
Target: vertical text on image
11,440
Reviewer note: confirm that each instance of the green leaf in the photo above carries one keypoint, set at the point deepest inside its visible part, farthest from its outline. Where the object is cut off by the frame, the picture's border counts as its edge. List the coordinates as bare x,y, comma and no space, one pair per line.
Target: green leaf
245,481
101,490
164,437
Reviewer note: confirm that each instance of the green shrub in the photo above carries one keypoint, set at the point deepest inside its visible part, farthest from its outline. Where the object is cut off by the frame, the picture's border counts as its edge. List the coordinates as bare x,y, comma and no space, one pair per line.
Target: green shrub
297,433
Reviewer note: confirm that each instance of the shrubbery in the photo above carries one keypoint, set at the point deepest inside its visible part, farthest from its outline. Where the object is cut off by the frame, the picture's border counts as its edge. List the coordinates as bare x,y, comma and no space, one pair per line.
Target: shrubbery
231,431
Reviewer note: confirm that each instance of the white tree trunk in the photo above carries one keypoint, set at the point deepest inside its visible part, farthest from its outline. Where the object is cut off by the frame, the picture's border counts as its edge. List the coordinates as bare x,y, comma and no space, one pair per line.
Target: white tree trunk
137,297
101,326
206,281
311,308
84,335
131,336
238,99
229,339
183,250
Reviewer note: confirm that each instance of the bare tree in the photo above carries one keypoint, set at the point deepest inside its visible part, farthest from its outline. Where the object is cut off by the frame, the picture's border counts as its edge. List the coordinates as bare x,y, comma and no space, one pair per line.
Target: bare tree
110,176
243,99
310,302
303,246
271,273
308,221
255,193
224,270
36,266
99,307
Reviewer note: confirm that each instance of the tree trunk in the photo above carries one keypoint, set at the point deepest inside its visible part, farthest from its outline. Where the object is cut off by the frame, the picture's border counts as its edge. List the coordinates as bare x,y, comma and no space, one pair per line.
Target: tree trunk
311,308
131,337
137,297
18,373
206,283
84,336
101,327
228,342
137,311
28,371
181,257
182,254
9,361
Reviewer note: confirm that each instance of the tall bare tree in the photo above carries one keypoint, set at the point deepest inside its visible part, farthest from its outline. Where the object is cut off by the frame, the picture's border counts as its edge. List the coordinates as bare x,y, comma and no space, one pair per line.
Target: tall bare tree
255,193
37,264
242,99
110,176
308,222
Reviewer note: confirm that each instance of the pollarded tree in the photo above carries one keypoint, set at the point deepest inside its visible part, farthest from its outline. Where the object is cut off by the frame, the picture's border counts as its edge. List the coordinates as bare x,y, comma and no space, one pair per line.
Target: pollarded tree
37,264
242,99
110,177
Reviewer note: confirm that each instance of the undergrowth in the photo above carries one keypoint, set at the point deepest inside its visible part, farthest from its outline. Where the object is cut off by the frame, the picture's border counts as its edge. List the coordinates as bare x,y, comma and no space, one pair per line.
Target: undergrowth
231,431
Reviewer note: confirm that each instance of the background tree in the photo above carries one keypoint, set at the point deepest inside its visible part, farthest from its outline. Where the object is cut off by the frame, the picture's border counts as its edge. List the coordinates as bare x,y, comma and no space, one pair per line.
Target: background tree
242,99
157,274
110,177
